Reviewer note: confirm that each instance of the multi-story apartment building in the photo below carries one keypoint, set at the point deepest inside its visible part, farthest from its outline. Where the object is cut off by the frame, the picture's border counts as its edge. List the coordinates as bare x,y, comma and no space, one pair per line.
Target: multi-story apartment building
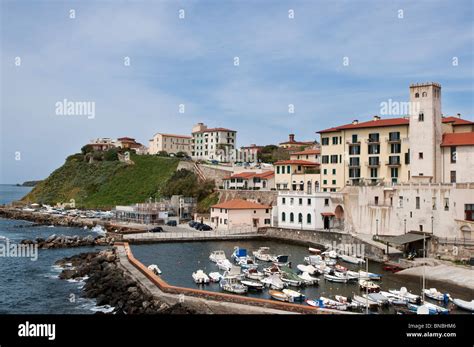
170,143
213,143
297,175
394,150
313,155
251,181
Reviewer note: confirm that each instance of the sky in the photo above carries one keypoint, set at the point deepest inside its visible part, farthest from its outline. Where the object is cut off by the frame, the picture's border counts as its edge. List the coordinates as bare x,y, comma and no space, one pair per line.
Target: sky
138,61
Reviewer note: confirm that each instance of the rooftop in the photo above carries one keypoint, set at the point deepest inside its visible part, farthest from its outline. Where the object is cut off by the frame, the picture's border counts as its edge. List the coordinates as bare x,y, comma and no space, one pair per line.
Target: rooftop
211,130
296,162
307,152
240,204
458,139
174,135
247,175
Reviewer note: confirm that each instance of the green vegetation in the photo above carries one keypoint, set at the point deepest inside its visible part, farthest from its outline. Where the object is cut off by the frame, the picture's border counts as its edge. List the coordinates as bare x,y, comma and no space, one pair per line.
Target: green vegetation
104,183
272,153
205,204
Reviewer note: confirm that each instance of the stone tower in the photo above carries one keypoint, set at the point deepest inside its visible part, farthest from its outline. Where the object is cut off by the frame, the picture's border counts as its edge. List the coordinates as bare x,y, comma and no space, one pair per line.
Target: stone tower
425,132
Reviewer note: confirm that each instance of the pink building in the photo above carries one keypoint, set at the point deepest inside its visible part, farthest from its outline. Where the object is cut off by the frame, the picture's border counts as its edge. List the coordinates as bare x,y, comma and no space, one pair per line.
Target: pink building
240,214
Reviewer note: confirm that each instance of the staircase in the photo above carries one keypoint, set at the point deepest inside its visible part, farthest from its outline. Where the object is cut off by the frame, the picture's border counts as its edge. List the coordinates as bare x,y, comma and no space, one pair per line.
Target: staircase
198,172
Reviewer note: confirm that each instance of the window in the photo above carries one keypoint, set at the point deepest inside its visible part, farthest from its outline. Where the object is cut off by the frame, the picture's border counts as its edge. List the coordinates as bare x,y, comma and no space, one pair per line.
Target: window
354,173
283,217
394,160
300,218
453,176
394,172
424,94
354,138
421,117
333,182
433,203
453,154
374,137
420,155
446,204
278,170
373,172
354,150
395,148
292,217
354,161
300,201
335,140
325,159
374,149
288,169
417,95
421,227
407,157
309,202
469,212
325,181
291,201
333,159
417,202
325,171
308,218
376,200
325,141
283,201
267,221
333,171
326,202
374,161
400,201
394,136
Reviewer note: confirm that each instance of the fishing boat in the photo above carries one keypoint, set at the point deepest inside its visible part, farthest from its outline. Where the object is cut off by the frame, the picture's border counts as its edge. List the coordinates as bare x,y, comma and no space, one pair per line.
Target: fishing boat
252,285
271,270
313,303
247,263
334,304
347,301
155,269
308,279
394,299
379,298
240,254
234,272
232,285
340,268
224,265
465,305
280,296
254,274
432,293
365,302
312,250
404,294
331,254
200,277
351,259
313,260
215,276
330,261
263,254
369,286
334,278
308,268
280,260
274,282
290,277
297,296
217,256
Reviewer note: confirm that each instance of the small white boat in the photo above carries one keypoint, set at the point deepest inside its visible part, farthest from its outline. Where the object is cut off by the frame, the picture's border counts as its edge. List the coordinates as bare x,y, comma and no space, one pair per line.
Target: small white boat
280,296
271,270
331,254
351,259
156,270
274,282
254,274
224,265
215,276
465,305
379,298
247,263
263,254
334,304
313,303
365,302
297,296
432,293
314,260
232,285
369,286
308,268
252,284
436,308
312,250
200,277
363,275
403,293
234,272
330,261
217,256
280,260
333,278
308,279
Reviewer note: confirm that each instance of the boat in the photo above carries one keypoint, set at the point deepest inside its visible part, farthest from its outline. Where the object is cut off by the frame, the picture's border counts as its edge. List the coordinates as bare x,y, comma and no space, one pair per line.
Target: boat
403,310
365,302
247,263
314,303
379,298
392,268
297,296
333,278
224,265
313,260
331,254
200,277
312,250
234,272
404,294
340,268
280,296
330,261
432,293
232,285
364,275
254,274
431,309
290,277
308,268
215,276
216,256
308,279
369,286
280,260
263,254
240,254
156,270
351,259
274,282
271,270
252,285
334,304
436,308
465,305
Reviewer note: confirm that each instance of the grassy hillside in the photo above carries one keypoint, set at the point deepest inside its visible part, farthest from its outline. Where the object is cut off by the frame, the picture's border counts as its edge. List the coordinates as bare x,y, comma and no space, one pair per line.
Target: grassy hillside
104,184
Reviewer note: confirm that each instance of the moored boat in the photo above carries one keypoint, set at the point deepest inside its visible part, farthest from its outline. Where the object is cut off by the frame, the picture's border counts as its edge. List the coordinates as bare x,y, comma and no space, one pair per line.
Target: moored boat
290,277
200,277
333,278
312,250
271,270
432,293
404,294
252,285
280,260
308,279
365,302
224,265
314,303
280,296
155,269
369,286
215,256
308,268
465,305
351,259
215,276
297,296
254,274
263,254
247,263
331,254
274,282
231,284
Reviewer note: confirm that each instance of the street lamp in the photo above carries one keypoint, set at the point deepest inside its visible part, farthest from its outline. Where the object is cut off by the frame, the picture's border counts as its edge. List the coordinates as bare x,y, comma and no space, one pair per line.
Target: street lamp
432,219
405,222
377,228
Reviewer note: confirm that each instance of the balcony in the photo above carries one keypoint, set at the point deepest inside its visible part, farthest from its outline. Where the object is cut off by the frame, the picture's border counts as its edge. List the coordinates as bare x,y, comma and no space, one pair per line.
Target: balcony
372,164
373,141
354,164
393,139
394,161
350,142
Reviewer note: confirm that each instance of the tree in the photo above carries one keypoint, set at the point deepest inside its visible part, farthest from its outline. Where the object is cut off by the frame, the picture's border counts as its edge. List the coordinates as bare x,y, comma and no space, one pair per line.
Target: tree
87,149
111,154
162,154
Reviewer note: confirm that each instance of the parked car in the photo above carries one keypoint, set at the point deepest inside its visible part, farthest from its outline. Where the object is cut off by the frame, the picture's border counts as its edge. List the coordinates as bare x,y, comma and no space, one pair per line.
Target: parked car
171,223
156,230
204,227
192,223
197,225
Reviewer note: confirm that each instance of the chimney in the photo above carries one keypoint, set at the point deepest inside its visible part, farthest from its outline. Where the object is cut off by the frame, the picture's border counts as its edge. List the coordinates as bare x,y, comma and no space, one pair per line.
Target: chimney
292,137
376,117
355,121
459,115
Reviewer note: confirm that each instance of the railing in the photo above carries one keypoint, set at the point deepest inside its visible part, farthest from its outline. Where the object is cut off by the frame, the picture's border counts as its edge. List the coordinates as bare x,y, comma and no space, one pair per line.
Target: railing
456,241
173,235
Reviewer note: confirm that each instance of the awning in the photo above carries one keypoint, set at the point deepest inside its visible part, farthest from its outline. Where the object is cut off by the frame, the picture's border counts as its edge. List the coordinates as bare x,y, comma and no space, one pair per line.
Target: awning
327,214
407,238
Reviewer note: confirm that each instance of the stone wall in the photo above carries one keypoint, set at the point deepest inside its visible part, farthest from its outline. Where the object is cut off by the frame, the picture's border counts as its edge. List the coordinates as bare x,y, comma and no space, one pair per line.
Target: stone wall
211,173
263,197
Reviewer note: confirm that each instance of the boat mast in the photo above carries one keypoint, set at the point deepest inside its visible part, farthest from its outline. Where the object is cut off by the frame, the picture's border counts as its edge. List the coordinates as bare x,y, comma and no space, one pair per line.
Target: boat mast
424,261
367,287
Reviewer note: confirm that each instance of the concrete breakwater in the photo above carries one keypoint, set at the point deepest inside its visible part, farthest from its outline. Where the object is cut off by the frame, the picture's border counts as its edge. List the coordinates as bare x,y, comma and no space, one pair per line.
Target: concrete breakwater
62,241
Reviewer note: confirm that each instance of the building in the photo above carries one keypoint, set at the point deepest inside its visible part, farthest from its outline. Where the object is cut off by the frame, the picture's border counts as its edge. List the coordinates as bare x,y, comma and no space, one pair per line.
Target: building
240,214
297,175
313,155
170,143
250,153
394,150
308,211
292,144
213,143
128,143
103,144
457,157
251,181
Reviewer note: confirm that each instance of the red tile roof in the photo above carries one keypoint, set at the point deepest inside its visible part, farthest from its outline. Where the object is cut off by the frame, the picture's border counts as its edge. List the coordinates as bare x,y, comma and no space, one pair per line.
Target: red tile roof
307,152
210,130
457,121
240,204
296,162
458,139
247,175
173,135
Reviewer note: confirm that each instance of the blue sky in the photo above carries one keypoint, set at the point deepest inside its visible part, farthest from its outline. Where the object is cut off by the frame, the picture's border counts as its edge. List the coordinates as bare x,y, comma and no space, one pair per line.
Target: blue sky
191,61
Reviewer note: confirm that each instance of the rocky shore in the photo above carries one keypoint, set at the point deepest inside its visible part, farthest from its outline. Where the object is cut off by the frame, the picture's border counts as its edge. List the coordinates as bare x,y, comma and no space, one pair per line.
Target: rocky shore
62,241
109,284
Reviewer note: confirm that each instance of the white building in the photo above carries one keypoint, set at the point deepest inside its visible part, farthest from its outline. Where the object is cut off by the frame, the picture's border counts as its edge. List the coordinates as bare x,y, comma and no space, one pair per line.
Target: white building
213,143
251,181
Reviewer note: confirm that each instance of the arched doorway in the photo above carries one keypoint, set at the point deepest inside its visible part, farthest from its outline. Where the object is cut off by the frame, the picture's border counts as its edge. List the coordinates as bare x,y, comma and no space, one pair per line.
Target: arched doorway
339,217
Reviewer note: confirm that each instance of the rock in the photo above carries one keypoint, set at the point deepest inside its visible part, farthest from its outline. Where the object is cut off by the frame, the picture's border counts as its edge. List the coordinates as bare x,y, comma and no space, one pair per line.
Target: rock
51,238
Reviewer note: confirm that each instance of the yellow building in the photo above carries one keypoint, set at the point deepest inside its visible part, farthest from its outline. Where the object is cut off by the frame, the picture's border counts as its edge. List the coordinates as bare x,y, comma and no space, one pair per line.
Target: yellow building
297,175
170,143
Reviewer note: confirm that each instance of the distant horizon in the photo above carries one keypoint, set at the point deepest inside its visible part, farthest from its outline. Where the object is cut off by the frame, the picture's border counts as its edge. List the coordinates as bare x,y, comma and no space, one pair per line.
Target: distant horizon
147,67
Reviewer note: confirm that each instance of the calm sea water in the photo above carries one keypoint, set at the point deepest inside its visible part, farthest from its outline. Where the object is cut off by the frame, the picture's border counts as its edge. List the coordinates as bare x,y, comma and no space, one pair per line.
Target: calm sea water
178,261
28,286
